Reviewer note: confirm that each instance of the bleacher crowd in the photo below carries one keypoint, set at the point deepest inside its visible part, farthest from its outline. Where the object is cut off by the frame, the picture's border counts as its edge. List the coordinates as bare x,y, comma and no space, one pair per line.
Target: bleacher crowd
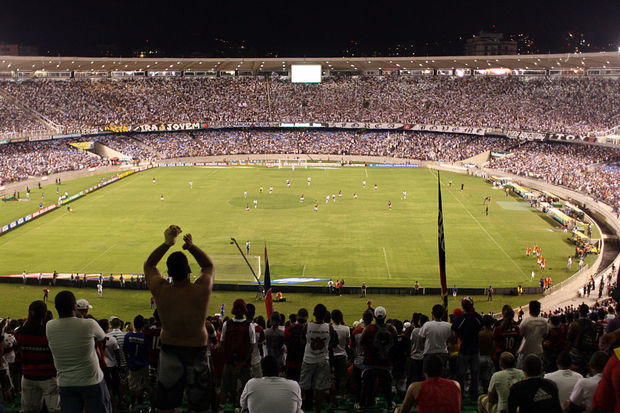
564,360
578,105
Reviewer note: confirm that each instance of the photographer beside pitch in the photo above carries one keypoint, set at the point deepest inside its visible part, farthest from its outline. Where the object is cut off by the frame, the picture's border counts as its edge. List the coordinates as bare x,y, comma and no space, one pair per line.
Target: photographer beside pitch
182,308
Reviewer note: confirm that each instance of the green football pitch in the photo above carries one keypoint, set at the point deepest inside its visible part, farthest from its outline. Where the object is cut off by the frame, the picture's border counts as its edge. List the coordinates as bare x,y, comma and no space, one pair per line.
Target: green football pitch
361,240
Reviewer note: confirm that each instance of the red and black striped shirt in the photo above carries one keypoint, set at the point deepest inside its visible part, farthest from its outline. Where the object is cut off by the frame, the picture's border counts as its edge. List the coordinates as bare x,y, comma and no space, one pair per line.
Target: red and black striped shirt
37,359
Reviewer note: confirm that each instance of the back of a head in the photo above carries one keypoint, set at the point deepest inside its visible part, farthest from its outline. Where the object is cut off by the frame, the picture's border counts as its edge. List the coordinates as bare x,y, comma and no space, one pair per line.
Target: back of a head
116,323
269,365
138,322
367,317
584,309
302,315
423,319
380,314
438,311
488,321
563,361
320,311
532,365
468,304
598,361
65,303
507,360
415,319
104,324
337,317
534,308
555,320
275,319
601,313
292,318
250,311
433,366
178,266
240,308
36,312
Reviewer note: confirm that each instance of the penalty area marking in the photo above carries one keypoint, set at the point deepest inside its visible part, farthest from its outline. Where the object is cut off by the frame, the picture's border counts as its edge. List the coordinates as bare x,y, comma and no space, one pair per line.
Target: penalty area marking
485,231
96,258
303,271
386,263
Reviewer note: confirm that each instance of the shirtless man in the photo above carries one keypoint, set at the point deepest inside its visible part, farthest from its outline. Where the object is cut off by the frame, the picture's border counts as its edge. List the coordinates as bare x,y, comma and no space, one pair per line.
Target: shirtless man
182,307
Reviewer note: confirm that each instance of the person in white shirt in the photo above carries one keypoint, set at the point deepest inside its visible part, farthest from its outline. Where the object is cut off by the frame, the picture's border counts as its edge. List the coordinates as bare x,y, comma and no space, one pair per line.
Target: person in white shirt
499,386
112,356
271,393
71,340
436,334
583,392
564,378
533,329
340,350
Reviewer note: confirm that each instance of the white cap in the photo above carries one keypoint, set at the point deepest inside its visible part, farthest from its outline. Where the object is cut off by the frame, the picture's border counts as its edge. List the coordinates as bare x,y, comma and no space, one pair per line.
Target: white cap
83,304
406,325
380,312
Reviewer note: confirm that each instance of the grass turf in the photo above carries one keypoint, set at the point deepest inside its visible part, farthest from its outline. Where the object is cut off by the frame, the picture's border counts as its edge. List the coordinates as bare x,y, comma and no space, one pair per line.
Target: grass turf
126,304
114,229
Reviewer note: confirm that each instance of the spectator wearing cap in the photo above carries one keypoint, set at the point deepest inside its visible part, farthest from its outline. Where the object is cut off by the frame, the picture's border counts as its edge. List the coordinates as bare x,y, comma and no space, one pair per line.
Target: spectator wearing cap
271,393
82,308
467,327
532,329
378,341
80,378
39,381
534,394
238,341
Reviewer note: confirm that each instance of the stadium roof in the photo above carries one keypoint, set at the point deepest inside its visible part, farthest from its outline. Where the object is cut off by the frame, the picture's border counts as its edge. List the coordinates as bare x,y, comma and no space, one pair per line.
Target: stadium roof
549,61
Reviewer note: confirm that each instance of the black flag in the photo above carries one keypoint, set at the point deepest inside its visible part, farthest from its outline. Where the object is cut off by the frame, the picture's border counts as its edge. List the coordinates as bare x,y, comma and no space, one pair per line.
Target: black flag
442,249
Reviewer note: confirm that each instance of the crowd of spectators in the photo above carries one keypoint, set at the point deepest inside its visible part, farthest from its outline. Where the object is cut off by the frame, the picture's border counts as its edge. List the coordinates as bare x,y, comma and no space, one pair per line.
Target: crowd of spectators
579,167
578,105
18,161
15,119
436,362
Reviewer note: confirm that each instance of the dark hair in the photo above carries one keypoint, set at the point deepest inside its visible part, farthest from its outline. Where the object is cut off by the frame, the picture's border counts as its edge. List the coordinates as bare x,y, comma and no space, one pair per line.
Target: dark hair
178,266
555,320
563,360
337,316
488,321
598,361
320,311
65,303
438,311
415,319
532,365
36,313
292,318
104,324
433,365
601,313
367,317
534,308
138,322
116,323
275,319
260,321
423,319
250,311
584,309
302,314
269,366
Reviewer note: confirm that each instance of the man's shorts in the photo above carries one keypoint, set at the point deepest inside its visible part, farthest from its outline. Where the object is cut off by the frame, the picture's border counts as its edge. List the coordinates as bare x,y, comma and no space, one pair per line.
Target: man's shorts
340,368
316,376
138,380
182,368
233,373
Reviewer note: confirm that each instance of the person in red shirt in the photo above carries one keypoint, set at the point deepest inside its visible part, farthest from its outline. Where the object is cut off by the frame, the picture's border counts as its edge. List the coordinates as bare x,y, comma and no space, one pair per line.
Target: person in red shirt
435,394
506,334
607,396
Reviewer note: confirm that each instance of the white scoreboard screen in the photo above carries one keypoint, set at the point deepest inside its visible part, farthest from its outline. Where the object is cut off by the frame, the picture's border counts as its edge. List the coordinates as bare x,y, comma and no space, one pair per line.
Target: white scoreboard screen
305,73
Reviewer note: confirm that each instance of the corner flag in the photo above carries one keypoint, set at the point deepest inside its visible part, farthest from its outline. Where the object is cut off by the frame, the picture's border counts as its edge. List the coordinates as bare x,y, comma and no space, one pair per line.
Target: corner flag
442,249
267,284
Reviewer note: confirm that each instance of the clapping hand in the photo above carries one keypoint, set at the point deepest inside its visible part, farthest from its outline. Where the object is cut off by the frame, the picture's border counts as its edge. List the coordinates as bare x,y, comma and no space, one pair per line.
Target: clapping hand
188,241
171,233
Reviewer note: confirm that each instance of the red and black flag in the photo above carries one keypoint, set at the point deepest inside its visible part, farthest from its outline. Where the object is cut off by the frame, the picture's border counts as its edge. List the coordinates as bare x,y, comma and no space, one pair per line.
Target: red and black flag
267,285
442,250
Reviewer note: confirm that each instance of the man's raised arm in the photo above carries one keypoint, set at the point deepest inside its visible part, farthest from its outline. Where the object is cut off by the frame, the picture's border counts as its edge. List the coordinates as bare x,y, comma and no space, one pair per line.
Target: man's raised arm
206,266
151,273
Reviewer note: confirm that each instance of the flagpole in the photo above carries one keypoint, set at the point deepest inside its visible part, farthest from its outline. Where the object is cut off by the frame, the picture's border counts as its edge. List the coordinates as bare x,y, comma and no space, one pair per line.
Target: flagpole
234,241
441,246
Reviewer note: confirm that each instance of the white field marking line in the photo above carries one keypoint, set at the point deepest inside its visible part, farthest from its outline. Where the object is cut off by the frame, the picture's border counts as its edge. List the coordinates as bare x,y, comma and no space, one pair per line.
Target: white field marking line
386,263
303,271
486,232
33,228
366,170
96,258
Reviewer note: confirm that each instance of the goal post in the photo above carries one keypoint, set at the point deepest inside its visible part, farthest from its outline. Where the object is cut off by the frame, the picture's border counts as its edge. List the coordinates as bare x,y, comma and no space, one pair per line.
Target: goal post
232,268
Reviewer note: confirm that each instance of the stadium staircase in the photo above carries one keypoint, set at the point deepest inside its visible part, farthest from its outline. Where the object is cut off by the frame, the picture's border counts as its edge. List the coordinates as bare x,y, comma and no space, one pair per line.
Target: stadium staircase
145,146
51,126
480,159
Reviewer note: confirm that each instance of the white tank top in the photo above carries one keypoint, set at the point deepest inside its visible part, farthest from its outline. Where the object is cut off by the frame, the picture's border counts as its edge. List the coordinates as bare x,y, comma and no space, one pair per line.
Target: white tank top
317,343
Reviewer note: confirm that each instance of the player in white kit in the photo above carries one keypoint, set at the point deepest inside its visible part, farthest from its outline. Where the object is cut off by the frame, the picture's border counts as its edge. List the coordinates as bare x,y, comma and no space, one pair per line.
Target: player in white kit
255,203
245,194
326,199
309,180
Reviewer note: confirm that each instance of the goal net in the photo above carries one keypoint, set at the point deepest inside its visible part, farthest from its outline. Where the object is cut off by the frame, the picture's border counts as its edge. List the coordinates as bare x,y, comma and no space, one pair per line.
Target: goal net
292,163
232,268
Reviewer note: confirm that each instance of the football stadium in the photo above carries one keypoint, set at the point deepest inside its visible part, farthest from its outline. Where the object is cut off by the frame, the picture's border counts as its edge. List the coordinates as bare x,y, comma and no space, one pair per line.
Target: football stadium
376,234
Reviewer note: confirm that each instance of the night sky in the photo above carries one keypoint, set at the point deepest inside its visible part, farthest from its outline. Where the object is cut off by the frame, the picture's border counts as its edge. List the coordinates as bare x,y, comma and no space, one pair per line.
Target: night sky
298,28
